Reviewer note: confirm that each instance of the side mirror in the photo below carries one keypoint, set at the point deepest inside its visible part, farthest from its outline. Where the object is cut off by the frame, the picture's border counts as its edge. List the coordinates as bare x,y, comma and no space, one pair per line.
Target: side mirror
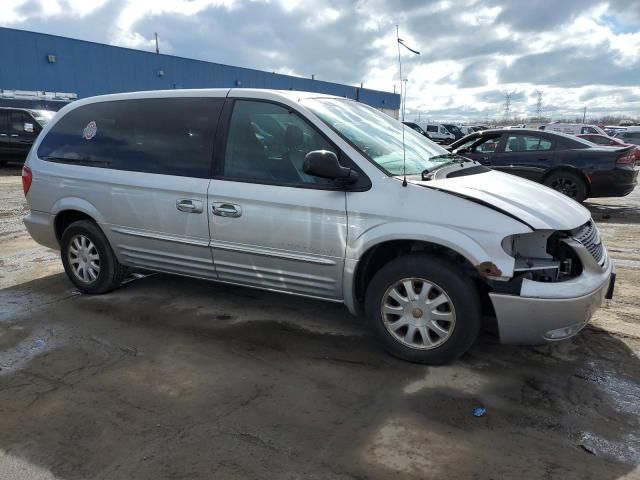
324,164
28,127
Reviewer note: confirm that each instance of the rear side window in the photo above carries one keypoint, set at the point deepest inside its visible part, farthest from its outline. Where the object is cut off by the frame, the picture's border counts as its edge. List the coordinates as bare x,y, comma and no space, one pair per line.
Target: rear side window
18,119
169,136
526,143
432,128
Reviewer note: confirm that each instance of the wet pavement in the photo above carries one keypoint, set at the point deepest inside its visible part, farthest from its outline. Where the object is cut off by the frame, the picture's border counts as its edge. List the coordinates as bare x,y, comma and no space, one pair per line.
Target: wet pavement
177,378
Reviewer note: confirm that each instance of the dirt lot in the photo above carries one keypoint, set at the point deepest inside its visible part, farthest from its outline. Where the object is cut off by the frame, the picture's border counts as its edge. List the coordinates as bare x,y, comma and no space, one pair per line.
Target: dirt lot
176,378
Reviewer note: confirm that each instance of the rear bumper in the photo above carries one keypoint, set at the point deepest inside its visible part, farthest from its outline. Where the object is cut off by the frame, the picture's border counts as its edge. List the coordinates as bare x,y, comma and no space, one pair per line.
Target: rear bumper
618,183
548,312
40,227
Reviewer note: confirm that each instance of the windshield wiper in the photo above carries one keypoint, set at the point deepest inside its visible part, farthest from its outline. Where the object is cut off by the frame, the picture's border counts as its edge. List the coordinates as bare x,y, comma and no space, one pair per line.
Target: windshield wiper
451,155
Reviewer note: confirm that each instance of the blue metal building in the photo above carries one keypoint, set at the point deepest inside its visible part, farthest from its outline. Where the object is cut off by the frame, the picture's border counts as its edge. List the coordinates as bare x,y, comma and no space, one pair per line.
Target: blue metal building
41,62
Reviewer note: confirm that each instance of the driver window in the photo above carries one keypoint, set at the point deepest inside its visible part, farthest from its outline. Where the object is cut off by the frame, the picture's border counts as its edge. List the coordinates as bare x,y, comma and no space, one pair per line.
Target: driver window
267,143
487,146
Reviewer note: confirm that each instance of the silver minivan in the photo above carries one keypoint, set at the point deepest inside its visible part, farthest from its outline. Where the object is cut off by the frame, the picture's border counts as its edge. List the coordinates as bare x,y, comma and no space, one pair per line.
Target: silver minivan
317,196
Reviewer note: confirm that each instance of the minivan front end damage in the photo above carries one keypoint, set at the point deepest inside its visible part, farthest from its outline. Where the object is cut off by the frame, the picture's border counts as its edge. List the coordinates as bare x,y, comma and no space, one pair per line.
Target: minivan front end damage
560,279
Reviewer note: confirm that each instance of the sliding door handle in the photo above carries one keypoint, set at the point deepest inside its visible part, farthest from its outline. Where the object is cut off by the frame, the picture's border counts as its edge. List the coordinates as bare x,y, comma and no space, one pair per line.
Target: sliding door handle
189,206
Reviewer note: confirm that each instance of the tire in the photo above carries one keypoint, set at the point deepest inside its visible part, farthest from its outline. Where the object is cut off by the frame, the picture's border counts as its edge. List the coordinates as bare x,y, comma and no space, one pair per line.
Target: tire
81,242
2,163
461,306
568,183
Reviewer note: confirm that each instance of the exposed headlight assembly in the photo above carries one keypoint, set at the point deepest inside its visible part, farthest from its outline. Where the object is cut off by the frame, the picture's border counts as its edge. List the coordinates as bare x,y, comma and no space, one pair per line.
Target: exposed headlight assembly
542,255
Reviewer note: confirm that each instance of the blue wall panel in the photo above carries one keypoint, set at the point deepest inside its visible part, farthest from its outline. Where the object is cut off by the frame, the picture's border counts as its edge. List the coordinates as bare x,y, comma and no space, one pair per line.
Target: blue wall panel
88,68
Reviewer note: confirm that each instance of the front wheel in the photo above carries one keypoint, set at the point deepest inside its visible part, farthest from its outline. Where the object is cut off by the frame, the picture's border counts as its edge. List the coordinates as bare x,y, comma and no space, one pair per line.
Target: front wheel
568,183
423,309
88,258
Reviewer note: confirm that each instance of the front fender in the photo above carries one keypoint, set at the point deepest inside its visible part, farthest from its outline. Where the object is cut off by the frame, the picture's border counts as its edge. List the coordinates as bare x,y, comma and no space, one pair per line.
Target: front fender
477,246
437,234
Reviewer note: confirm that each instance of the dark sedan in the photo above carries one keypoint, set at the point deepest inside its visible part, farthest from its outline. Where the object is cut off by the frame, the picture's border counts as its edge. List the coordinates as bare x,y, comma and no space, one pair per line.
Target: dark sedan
571,165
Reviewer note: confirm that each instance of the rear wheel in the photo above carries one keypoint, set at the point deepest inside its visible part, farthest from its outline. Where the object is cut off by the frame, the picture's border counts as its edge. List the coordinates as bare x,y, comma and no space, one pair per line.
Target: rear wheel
89,260
423,309
568,183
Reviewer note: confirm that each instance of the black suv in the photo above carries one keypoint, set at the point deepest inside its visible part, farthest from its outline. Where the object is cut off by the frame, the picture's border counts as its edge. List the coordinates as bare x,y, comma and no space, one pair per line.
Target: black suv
19,127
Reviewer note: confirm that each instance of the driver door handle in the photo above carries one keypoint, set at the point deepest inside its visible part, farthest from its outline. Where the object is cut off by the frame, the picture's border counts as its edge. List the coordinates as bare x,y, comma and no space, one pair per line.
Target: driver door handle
189,206
227,210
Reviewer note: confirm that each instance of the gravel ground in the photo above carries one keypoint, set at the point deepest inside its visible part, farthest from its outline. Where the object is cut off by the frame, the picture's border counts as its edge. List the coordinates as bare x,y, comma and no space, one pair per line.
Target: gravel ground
177,378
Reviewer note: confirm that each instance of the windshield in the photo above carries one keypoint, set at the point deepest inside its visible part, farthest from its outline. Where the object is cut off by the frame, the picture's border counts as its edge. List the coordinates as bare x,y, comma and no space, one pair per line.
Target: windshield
453,129
378,136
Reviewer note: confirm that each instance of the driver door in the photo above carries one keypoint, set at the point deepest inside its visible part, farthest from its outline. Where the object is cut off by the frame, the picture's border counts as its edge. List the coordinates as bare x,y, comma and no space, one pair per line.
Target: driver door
271,225
481,150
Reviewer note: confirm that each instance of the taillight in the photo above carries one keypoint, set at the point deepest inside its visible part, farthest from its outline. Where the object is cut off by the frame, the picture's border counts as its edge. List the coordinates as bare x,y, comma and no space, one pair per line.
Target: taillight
626,159
27,178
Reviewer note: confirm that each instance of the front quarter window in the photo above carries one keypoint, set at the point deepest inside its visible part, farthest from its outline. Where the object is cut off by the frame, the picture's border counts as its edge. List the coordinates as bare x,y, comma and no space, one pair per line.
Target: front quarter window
378,136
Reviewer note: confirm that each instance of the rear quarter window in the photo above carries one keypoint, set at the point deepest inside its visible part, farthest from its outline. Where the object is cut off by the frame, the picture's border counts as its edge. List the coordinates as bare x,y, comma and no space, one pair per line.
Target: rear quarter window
169,136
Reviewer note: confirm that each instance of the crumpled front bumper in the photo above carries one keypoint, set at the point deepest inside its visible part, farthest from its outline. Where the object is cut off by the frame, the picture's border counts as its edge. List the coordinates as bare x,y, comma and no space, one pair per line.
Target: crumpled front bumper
547,312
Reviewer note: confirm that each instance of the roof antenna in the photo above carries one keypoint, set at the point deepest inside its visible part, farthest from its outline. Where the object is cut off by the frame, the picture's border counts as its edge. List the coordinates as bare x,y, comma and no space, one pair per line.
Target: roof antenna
403,104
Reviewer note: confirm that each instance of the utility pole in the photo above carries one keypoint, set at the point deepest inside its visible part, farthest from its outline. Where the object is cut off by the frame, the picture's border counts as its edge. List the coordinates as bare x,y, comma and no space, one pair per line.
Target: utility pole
539,94
584,114
157,46
507,106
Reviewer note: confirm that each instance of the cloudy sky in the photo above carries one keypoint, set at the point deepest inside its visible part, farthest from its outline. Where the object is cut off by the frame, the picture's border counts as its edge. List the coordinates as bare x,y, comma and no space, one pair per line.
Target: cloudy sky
577,52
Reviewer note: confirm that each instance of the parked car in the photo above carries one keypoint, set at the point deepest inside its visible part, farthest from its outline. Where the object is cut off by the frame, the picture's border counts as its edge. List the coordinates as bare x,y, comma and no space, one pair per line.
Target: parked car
417,128
304,193
469,129
630,135
438,133
573,128
453,129
611,130
19,128
568,164
606,140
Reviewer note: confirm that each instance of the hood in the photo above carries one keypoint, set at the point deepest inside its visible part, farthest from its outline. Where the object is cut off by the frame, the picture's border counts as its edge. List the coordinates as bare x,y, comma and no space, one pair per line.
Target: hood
536,205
